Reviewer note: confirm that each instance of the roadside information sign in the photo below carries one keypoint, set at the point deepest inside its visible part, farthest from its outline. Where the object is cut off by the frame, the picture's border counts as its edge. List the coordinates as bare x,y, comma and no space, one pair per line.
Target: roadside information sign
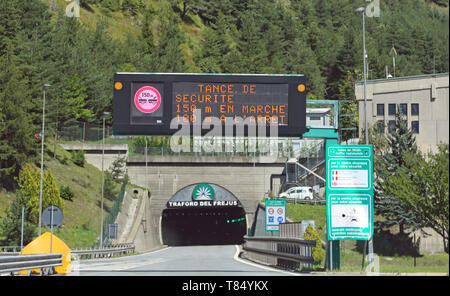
349,192
275,214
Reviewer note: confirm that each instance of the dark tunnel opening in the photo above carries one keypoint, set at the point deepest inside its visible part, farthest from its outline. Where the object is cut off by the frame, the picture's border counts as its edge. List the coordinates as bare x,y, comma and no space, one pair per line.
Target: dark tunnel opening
203,226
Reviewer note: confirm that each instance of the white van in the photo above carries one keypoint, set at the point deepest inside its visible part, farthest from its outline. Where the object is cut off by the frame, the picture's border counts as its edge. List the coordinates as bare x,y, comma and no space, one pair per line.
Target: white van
298,193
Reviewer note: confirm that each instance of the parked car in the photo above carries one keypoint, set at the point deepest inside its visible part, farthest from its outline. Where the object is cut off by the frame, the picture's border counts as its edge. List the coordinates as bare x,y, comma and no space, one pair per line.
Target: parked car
298,193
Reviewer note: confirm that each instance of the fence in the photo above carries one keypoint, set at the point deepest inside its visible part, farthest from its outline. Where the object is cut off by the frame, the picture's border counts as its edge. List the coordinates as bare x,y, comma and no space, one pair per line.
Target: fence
85,132
312,159
291,253
9,250
114,211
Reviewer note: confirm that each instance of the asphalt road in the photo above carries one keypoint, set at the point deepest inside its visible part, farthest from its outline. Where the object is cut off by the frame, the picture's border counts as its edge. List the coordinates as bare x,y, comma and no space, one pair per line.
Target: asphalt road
220,260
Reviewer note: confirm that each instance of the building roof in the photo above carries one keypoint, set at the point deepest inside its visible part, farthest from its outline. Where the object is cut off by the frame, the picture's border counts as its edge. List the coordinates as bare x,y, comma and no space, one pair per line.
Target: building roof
317,110
424,76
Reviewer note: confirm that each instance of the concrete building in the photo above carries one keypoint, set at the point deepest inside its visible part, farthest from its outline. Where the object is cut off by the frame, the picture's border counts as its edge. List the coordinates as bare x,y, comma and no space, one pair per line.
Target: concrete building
318,118
423,99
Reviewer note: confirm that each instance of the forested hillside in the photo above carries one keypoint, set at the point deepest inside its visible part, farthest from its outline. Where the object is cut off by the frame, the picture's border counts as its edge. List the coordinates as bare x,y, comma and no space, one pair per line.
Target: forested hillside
322,39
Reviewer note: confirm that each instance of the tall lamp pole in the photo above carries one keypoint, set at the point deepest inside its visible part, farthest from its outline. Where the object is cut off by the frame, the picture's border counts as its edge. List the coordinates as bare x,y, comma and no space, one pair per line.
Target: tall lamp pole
362,11
42,157
103,180
366,132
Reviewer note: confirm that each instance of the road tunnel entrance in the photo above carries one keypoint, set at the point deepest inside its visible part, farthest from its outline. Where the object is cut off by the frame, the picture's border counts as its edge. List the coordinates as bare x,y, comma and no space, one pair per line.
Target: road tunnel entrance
203,214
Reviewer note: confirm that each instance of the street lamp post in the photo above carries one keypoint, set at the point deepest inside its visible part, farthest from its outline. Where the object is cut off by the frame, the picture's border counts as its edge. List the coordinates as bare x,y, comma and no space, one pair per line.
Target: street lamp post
42,157
362,11
103,180
366,135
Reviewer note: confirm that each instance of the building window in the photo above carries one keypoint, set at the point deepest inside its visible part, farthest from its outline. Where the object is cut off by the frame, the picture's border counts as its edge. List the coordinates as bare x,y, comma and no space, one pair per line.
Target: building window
415,127
391,126
391,109
380,126
315,117
415,109
380,109
404,109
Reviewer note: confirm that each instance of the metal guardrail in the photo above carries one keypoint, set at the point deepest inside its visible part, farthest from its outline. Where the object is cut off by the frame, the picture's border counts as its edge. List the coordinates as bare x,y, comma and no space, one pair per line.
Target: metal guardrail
11,261
291,253
105,251
7,249
14,263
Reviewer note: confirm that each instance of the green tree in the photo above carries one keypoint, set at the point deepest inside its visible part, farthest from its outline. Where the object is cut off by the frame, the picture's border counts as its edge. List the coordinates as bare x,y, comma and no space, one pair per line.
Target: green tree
11,224
74,97
168,56
401,141
29,184
17,143
317,252
110,190
422,187
118,168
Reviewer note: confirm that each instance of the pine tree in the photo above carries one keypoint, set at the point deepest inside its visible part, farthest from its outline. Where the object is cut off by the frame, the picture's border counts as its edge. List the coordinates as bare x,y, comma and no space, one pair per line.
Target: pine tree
401,141
250,45
17,143
11,224
169,56
422,187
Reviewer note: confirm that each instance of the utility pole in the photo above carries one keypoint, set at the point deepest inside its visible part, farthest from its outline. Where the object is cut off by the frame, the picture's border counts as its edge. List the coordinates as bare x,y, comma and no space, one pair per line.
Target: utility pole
103,180
362,10
42,159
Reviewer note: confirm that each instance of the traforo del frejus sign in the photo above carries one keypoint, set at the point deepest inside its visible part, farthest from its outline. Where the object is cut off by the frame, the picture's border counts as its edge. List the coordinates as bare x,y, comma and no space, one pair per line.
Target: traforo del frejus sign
202,195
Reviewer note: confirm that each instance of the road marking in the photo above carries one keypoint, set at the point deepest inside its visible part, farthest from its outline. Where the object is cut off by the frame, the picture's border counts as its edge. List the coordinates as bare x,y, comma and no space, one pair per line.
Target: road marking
118,266
236,257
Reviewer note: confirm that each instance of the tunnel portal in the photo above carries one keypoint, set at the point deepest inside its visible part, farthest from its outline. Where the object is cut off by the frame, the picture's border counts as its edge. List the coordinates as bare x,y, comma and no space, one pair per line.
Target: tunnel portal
202,214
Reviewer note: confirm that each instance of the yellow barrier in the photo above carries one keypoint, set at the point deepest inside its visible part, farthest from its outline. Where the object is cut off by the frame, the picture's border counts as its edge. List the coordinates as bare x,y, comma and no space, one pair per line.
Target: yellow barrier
41,245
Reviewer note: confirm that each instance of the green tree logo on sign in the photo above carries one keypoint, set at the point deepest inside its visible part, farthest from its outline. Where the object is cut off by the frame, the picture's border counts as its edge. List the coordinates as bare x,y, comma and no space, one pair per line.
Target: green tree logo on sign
203,192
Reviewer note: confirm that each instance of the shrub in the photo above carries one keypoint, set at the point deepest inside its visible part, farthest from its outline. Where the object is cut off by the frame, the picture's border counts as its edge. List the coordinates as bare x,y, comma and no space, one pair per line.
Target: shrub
66,193
110,190
317,252
78,157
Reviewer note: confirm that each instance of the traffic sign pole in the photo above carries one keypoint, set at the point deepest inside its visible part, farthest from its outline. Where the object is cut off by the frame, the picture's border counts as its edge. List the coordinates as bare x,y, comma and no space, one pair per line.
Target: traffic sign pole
51,229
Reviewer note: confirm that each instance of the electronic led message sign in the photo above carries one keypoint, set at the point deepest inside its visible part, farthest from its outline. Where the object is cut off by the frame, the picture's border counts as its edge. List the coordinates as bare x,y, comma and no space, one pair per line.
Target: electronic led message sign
161,103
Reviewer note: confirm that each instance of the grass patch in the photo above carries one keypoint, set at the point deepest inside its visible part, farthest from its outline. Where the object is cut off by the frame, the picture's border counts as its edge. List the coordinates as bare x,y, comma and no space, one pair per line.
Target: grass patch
351,259
439,263
299,212
81,225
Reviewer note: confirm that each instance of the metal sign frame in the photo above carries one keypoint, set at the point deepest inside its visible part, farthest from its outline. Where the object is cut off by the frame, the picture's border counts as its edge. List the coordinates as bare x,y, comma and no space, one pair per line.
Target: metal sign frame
349,192
275,214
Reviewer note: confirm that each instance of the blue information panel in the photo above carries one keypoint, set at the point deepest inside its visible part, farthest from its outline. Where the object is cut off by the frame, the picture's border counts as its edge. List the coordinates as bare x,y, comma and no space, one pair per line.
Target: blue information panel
275,214
349,192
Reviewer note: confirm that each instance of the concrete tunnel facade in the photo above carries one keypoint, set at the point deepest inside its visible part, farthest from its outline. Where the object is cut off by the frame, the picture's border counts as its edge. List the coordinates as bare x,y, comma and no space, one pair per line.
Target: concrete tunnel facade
203,213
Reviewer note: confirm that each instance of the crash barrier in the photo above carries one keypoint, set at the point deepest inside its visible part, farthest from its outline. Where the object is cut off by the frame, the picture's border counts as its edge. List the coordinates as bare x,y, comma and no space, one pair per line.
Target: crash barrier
105,251
289,253
44,262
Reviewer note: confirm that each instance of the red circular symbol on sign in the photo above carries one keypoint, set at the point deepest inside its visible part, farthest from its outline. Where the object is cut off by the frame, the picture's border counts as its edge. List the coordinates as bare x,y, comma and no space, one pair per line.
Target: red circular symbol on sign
280,211
271,211
147,99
